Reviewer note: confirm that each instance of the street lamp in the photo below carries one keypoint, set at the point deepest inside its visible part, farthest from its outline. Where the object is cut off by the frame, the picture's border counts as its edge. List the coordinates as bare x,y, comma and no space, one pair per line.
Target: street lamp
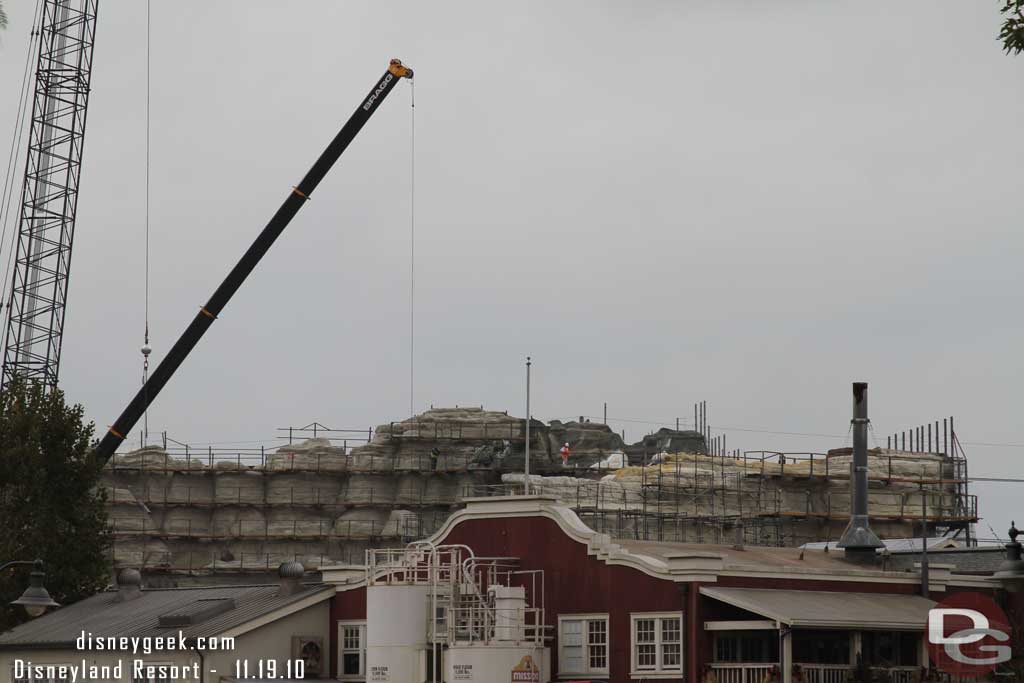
36,598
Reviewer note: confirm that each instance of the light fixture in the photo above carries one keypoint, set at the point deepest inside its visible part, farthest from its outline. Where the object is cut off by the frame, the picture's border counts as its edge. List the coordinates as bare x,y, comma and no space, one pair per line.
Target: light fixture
36,599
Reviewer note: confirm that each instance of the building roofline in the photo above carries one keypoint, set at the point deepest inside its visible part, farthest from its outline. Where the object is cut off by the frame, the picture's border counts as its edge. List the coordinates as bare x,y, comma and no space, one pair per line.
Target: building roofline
684,564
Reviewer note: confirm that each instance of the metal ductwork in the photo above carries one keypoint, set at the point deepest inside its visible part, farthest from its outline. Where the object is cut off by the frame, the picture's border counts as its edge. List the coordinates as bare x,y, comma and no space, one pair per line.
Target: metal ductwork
859,539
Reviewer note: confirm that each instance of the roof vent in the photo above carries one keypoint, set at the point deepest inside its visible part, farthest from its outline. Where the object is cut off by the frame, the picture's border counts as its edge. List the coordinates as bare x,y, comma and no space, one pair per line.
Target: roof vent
196,612
129,585
291,574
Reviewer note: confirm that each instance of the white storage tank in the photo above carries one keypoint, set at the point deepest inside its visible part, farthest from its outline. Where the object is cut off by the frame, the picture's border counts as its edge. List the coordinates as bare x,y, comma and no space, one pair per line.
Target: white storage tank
509,612
480,663
396,632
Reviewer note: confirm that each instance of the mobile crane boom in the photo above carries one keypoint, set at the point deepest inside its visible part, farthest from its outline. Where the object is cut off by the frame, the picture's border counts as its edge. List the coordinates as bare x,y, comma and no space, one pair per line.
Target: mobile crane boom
208,313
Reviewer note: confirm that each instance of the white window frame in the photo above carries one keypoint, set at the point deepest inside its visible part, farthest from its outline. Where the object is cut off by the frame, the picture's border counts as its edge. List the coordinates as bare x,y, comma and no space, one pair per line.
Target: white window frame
585,619
659,670
342,625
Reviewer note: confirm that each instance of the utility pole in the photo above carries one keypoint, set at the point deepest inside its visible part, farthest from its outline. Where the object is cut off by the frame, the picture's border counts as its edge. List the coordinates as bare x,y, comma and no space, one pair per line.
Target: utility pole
527,469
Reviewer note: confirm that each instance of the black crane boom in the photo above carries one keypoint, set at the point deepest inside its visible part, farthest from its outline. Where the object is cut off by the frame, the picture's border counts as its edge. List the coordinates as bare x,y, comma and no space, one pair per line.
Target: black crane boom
208,313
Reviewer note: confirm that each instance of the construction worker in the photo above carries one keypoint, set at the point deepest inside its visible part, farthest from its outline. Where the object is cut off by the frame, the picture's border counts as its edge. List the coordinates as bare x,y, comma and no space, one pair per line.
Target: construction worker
435,453
565,455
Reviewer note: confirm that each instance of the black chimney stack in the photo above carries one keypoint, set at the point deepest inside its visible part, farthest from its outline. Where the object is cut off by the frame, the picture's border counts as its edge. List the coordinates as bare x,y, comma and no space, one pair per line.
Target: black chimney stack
858,541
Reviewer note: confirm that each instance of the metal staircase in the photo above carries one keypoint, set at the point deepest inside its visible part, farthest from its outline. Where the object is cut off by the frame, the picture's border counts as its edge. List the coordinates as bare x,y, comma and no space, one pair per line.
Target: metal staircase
465,592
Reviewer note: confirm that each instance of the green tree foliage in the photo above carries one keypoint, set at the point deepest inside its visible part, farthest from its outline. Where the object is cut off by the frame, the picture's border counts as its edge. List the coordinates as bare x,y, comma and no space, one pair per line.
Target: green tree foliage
3,16
1012,34
51,504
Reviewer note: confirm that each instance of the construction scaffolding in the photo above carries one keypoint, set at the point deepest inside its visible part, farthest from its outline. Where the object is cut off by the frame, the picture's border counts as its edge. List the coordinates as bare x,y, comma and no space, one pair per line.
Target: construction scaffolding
763,498
183,510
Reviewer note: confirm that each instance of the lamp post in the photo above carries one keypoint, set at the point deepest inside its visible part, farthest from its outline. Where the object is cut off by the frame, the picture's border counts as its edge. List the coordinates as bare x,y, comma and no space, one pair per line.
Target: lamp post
526,468
36,598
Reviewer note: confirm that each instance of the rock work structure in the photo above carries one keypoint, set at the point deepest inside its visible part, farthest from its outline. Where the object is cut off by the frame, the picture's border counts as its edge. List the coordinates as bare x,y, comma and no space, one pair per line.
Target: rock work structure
694,497
318,502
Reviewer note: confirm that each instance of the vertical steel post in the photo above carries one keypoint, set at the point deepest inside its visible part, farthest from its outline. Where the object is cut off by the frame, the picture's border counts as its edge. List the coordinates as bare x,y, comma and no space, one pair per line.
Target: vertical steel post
527,468
924,542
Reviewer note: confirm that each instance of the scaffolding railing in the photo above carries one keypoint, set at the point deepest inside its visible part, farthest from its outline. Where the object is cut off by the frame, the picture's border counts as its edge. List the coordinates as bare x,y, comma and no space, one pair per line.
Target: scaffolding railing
713,501
291,497
460,430
214,561
316,430
408,528
177,459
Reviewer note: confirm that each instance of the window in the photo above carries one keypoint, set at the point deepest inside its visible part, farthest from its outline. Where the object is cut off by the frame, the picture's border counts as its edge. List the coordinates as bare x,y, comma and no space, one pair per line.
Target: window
351,650
658,642
890,648
821,647
583,644
751,647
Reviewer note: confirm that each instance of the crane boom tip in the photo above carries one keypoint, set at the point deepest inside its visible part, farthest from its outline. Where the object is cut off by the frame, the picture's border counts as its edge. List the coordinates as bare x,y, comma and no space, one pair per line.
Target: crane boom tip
397,68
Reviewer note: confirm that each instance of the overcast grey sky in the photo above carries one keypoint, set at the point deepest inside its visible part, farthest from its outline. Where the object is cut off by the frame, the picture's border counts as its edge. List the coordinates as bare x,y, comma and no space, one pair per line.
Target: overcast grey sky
752,203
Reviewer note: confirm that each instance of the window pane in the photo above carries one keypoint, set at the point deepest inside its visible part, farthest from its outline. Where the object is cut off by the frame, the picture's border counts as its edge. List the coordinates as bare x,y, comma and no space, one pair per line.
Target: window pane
645,630
726,649
597,639
821,647
572,633
670,630
351,638
572,659
647,656
671,656
908,649
350,664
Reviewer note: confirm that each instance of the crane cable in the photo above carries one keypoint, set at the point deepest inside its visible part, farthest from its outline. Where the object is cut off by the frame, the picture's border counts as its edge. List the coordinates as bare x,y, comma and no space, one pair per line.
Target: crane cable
412,243
146,348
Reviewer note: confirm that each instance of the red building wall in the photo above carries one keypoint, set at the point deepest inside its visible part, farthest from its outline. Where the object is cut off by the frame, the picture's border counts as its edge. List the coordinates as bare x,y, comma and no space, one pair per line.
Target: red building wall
577,583
347,605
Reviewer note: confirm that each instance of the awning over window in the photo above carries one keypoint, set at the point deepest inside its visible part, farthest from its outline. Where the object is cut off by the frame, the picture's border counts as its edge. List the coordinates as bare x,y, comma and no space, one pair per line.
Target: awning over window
825,609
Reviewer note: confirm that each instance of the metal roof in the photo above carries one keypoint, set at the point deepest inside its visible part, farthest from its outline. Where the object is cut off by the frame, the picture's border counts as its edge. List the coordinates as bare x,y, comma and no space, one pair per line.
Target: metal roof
896,545
825,609
104,615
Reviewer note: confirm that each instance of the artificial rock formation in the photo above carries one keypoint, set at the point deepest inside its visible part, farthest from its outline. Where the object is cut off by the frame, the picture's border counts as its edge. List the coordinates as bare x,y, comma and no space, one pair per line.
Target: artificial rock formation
319,502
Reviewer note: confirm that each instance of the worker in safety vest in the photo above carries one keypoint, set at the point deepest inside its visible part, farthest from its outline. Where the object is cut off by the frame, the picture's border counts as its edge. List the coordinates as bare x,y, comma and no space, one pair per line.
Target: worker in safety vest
435,453
565,455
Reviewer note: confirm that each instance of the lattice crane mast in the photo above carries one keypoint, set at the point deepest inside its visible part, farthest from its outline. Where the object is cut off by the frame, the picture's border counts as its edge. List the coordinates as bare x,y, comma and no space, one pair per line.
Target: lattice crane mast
49,196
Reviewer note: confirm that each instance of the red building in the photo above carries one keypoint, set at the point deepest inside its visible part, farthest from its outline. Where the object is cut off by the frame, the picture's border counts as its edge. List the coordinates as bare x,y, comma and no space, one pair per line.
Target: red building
616,610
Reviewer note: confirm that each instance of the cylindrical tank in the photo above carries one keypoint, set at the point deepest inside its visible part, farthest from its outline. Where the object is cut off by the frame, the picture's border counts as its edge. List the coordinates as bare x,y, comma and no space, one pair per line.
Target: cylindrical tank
396,632
480,663
509,612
